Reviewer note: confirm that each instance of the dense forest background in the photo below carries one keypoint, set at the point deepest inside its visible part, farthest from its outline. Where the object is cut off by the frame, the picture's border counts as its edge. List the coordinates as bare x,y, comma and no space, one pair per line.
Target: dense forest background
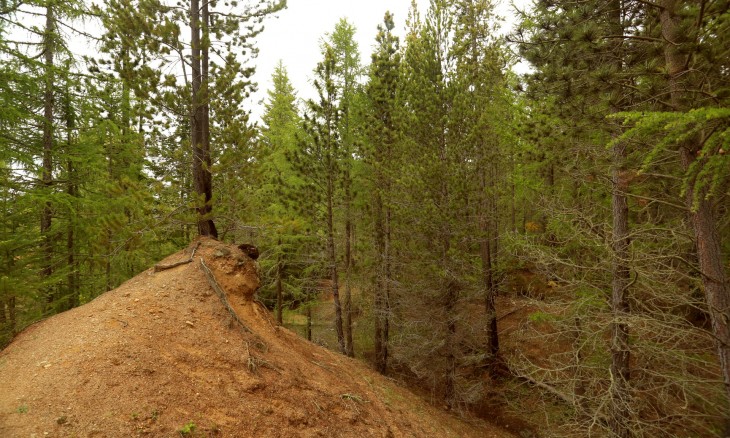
422,194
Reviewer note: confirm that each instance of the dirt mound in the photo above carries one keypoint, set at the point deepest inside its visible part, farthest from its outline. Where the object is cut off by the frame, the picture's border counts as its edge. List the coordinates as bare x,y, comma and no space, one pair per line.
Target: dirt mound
163,356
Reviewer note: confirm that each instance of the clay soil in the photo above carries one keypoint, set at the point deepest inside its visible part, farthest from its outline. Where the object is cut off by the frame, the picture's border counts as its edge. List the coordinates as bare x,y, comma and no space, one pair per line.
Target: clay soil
161,356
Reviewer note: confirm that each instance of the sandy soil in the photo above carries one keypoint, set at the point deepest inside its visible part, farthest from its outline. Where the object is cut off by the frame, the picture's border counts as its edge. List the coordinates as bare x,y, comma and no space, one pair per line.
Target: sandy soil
161,356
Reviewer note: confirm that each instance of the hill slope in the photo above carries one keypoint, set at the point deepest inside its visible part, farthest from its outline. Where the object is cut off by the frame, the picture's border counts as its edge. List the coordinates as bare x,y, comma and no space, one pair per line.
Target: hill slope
162,353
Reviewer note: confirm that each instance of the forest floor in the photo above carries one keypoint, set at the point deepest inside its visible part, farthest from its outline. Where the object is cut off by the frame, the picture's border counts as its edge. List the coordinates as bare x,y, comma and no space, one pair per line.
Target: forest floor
161,356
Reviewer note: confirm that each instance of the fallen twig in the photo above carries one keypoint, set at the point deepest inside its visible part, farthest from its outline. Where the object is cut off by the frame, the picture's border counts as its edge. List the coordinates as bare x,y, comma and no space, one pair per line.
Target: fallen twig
567,398
510,313
551,389
159,268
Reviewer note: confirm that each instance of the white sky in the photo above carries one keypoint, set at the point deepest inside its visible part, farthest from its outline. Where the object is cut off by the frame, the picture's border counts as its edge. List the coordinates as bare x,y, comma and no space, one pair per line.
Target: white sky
294,37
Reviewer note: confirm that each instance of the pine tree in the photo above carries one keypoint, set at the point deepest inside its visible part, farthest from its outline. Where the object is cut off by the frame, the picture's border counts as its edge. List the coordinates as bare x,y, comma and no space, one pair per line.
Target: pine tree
318,164
481,121
382,136
347,71
597,59
288,238
215,85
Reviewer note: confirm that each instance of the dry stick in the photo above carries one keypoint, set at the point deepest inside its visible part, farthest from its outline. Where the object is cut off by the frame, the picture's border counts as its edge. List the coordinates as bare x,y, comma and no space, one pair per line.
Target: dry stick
510,313
222,295
159,268
552,390
567,398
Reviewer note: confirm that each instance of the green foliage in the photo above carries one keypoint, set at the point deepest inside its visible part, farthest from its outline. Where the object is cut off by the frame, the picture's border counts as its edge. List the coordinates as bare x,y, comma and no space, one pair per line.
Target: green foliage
708,173
541,317
188,429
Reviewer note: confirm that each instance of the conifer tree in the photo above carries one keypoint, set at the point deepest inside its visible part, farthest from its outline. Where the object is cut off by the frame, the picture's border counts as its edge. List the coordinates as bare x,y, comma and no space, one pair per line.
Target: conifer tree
600,58
288,238
430,194
382,136
317,161
215,77
347,71
481,120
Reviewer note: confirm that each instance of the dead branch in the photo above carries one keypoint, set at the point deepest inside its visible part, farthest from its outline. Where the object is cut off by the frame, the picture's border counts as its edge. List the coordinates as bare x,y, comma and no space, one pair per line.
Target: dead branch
510,313
562,396
544,386
159,268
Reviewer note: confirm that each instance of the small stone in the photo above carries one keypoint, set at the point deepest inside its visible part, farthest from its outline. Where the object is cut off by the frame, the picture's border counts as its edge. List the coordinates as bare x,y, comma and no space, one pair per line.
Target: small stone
190,323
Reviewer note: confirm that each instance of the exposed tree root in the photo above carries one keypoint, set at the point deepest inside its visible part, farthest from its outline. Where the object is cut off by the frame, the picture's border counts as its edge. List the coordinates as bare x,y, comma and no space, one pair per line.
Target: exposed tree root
222,295
159,268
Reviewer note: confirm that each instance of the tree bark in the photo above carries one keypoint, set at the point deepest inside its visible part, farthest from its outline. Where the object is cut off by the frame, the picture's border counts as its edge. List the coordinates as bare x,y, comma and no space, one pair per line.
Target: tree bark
333,262
490,290
108,261
702,218
73,289
72,191
279,289
620,390
309,322
382,281
12,314
47,173
620,350
349,347
202,177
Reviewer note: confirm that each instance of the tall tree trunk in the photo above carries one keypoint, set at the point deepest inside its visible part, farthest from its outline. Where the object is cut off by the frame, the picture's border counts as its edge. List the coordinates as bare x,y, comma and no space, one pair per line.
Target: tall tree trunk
490,291
385,317
333,262
279,292
309,322
202,177
382,245
3,318
47,175
513,201
449,306
620,390
72,191
12,315
704,224
108,261
205,102
73,288
349,347
620,350
450,291
494,216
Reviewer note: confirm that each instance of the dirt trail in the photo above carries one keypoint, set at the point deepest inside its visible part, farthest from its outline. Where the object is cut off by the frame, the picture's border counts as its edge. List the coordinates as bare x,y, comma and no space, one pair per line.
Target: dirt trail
161,354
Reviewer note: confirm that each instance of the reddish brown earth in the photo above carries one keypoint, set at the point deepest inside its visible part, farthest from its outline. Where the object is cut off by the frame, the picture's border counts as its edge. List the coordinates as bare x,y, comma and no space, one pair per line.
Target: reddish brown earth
161,352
